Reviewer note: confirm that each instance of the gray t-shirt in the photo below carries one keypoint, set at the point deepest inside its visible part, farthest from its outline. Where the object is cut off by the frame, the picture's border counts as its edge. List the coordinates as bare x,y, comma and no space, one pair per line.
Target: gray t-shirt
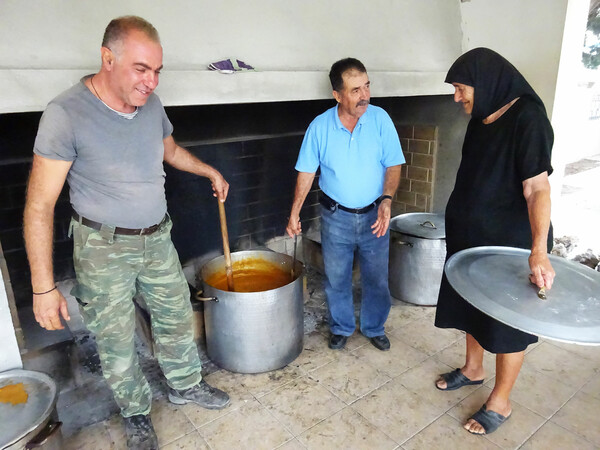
117,177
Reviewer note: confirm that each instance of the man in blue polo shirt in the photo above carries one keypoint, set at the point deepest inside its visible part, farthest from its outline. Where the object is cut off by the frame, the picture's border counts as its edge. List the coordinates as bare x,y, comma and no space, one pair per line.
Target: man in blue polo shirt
357,148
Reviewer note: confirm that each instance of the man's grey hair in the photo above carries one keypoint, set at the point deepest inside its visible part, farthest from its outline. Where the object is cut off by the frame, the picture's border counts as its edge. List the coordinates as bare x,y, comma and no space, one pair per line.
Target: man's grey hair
118,28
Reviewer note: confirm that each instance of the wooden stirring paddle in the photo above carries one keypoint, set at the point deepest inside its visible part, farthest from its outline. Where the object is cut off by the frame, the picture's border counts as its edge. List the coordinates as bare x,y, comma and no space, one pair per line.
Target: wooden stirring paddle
225,235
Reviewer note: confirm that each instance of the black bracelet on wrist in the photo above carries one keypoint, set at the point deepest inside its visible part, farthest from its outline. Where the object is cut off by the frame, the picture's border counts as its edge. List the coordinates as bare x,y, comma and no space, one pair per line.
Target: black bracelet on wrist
42,293
383,197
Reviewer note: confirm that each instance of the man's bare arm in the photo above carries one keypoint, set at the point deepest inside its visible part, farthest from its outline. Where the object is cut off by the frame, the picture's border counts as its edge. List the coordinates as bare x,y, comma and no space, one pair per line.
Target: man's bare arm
303,185
45,184
384,213
182,159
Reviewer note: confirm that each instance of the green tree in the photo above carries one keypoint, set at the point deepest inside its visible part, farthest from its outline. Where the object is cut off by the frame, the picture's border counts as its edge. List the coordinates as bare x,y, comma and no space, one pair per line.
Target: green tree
591,52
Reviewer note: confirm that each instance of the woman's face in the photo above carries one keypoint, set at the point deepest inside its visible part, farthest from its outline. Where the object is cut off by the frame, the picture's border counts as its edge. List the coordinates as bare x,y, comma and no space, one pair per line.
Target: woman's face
464,94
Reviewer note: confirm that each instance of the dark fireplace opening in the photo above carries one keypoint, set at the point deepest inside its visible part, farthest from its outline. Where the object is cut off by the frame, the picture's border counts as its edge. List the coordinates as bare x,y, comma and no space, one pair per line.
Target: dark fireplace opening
255,147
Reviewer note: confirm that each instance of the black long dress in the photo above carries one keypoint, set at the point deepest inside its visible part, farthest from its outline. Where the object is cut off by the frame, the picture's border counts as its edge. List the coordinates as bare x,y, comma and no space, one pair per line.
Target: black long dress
487,207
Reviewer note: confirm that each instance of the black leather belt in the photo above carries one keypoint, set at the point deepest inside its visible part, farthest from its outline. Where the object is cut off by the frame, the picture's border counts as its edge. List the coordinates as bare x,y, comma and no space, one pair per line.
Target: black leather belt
118,230
331,204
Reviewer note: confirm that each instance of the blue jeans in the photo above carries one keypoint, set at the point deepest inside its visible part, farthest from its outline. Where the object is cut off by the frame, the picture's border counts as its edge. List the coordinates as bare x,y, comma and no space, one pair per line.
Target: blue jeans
343,233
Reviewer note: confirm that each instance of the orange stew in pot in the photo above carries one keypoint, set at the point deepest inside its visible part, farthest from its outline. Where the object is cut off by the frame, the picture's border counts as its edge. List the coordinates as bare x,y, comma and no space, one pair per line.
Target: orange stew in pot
252,275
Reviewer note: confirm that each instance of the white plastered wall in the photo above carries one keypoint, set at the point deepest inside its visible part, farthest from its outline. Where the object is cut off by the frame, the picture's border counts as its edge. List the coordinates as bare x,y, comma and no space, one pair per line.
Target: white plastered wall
526,32
544,40
407,45
10,357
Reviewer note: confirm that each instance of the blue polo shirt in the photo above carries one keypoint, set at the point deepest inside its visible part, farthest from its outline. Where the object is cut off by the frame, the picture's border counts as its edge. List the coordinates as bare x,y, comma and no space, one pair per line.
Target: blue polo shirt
353,164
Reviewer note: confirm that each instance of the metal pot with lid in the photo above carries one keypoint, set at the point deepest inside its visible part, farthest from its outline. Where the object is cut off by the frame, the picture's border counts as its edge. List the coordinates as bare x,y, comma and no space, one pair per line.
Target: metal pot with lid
417,255
28,411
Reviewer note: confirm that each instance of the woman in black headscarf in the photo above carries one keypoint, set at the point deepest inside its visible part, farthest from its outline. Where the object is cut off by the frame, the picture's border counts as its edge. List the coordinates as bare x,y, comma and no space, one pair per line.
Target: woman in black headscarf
501,197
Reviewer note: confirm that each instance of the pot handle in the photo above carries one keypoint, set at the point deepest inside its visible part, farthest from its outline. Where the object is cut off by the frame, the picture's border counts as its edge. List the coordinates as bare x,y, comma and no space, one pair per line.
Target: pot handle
41,439
199,296
398,241
429,224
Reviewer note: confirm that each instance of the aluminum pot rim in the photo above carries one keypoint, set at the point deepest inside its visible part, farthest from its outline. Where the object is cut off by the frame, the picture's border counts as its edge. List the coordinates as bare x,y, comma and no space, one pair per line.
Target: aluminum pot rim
239,255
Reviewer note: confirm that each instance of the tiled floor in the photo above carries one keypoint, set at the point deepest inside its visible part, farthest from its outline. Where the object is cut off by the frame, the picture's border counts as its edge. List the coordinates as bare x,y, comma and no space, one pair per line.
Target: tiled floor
361,398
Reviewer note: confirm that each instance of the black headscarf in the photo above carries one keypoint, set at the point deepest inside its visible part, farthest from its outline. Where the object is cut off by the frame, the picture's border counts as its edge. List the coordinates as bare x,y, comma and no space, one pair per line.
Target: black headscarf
496,81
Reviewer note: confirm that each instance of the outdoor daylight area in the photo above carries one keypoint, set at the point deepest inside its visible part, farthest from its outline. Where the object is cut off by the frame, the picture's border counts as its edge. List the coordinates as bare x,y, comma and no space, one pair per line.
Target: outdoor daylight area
576,215
300,225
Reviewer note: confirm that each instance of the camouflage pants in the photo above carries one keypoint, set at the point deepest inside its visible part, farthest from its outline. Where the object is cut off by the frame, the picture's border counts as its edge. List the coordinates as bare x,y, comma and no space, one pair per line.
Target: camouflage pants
110,269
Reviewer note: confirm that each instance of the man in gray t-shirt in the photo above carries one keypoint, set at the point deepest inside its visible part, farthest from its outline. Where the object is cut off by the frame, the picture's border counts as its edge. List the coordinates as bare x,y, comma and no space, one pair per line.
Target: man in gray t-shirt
116,174
108,137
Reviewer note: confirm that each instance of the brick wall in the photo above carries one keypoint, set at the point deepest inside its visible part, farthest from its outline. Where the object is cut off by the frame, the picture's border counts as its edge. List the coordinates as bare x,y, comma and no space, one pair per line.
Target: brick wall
255,146
415,193
261,175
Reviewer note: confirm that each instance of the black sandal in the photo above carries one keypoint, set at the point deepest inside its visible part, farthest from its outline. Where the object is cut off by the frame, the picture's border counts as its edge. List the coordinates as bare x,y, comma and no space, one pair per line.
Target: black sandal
455,380
489,420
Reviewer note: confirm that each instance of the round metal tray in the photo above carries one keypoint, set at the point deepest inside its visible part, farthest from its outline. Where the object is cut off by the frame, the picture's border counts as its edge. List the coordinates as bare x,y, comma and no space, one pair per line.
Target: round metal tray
495,280
20,419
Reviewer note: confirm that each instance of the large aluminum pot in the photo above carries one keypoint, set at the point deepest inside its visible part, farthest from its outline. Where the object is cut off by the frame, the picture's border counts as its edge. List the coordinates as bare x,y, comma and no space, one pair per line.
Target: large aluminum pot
417,255
253,332
29,419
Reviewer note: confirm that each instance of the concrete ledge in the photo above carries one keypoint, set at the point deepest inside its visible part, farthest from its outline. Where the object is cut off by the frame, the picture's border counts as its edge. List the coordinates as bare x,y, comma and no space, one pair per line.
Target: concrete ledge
30,90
